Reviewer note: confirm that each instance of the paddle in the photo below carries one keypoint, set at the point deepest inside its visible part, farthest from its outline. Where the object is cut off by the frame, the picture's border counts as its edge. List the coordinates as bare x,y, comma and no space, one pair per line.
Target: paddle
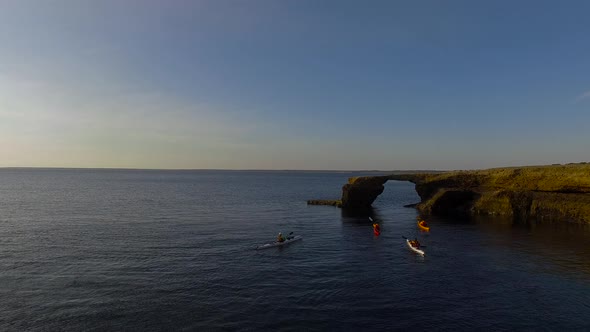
289,237
371,219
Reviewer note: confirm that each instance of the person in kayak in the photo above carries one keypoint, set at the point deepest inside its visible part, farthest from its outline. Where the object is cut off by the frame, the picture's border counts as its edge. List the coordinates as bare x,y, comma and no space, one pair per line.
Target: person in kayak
376,229
280,238
414,243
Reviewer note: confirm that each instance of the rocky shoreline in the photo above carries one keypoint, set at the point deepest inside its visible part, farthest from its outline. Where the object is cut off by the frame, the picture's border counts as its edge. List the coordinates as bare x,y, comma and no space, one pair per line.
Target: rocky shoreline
533,193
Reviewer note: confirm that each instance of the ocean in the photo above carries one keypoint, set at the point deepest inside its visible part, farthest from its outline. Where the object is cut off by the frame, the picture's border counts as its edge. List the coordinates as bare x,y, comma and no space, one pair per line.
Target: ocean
143,250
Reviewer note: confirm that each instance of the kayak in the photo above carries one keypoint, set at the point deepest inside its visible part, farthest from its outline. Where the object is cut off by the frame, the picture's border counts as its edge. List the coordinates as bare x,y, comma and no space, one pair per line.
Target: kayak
421,252
376,229
278,244
422,226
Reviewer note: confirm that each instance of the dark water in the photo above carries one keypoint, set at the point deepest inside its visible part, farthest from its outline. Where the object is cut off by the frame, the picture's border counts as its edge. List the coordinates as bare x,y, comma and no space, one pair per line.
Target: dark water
163,250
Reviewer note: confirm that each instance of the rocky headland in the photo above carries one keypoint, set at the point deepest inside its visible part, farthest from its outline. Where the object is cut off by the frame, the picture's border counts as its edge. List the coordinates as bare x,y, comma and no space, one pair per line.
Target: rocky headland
541,193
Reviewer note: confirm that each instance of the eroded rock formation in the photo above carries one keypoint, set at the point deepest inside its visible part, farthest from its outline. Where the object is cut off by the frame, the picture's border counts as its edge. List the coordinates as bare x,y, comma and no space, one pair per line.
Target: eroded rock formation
358,193
542,193
361,192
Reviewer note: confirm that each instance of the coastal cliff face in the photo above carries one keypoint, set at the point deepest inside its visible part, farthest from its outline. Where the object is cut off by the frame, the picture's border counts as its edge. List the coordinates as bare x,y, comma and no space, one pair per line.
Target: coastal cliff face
361,192
541,193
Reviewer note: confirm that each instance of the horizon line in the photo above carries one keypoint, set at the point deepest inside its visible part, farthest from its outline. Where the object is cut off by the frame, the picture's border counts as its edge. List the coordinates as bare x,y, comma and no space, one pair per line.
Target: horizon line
218,169
285,170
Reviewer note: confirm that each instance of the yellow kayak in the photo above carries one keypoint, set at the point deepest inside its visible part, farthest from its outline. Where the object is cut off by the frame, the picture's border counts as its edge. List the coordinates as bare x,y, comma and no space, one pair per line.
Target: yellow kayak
422,225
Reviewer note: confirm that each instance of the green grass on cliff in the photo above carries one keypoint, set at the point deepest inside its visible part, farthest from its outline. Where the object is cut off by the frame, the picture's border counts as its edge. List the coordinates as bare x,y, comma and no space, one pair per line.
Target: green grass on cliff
368,180
554,178
546,193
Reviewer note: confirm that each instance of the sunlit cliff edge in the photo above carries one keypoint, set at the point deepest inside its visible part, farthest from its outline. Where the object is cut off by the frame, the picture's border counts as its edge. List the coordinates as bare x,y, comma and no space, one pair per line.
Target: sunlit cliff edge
542,193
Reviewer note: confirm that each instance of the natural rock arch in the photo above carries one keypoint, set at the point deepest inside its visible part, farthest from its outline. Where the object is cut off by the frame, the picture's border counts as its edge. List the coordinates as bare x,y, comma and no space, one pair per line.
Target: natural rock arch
548,193
360,192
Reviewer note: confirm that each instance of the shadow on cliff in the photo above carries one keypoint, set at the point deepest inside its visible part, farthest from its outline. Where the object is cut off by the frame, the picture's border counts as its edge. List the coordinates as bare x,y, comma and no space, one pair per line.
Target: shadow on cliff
455,203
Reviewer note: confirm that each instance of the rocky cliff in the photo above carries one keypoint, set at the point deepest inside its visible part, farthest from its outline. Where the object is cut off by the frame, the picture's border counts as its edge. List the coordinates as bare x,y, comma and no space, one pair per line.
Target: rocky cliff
542,193
359,193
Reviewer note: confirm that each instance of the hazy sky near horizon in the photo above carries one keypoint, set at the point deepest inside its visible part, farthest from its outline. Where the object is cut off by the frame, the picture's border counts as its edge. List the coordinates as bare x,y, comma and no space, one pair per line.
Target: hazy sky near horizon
294,84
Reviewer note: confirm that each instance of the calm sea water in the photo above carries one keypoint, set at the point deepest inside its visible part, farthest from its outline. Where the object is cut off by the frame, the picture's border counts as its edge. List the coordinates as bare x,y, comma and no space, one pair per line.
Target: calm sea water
169,250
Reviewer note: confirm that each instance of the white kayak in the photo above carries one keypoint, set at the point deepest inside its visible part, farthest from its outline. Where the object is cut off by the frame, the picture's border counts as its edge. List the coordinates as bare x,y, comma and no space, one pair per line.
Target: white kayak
421,252
278,244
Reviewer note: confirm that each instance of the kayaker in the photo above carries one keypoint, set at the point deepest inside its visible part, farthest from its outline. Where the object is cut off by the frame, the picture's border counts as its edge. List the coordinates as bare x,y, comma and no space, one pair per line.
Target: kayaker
376,229
280,238
415,243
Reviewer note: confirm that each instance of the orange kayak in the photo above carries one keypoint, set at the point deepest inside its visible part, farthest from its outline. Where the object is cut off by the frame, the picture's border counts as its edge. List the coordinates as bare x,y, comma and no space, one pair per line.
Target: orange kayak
422,225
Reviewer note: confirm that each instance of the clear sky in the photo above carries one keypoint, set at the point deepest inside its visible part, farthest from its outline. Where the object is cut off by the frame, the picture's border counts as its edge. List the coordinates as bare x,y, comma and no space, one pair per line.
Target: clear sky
294,84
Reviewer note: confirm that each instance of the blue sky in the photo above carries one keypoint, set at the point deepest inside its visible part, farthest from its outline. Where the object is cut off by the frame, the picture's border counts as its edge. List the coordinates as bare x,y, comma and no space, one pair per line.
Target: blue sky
294,84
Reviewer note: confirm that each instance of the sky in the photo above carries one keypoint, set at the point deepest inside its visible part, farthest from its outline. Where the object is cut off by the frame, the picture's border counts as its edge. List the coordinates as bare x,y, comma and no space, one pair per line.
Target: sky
301,84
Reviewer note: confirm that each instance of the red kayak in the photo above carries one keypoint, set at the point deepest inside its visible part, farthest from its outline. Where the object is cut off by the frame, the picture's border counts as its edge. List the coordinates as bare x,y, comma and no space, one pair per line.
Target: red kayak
376,229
